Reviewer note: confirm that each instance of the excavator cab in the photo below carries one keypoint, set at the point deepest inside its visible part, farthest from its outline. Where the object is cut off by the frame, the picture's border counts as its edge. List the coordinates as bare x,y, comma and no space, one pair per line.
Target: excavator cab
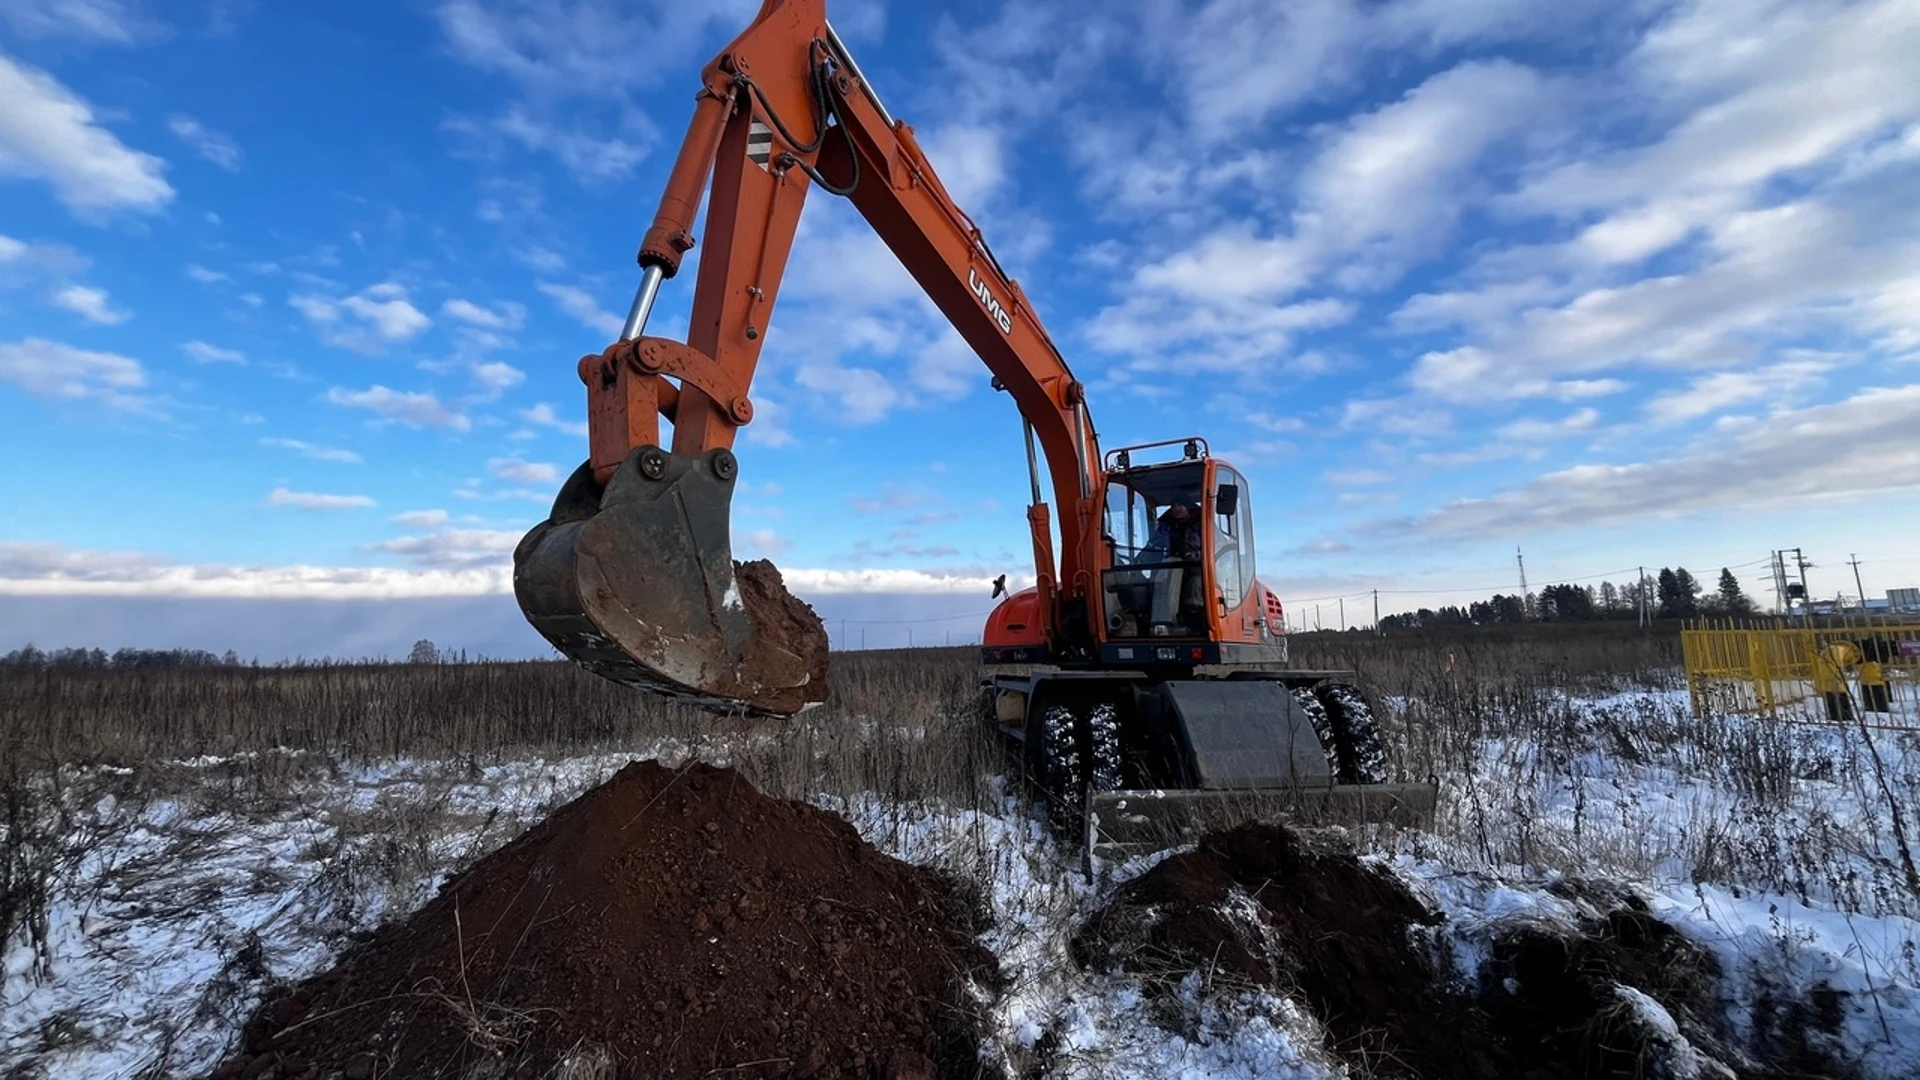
1155,521
1180,539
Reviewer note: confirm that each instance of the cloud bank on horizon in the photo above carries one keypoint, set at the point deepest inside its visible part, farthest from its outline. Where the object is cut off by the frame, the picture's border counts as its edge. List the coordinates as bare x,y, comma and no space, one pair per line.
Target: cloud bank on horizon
290,299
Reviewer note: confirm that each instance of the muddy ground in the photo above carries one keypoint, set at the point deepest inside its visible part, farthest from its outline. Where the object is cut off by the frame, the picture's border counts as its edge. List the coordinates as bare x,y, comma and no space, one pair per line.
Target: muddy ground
668,923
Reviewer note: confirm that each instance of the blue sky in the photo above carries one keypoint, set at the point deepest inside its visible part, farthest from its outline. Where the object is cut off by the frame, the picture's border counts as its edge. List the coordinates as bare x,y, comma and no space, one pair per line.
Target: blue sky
291,296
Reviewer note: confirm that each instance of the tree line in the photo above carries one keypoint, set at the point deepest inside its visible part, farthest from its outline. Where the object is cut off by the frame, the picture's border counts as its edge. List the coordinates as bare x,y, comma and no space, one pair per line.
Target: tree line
128,659
1674,593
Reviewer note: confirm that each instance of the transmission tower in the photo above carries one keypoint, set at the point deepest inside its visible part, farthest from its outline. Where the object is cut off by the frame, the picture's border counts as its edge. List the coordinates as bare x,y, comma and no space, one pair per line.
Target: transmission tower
1521,560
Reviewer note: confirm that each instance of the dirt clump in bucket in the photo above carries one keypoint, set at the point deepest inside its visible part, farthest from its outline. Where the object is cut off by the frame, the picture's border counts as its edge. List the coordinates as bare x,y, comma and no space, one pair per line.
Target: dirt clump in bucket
672,922
785,630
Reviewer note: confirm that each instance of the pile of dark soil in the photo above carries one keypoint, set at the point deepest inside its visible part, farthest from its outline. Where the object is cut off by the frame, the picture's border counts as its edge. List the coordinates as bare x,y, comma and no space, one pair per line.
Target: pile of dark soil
668,923
1557,998
1264,906
1330,931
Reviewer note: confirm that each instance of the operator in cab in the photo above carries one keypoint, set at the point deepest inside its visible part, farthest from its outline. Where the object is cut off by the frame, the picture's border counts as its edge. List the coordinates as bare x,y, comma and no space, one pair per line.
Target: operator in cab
1176,537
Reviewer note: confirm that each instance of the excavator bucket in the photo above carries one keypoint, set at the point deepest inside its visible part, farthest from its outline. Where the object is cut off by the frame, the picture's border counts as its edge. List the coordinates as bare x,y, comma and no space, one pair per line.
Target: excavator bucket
636,582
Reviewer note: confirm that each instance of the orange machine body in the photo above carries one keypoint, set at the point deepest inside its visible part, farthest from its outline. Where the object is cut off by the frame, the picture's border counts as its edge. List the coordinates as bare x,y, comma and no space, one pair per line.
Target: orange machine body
781,110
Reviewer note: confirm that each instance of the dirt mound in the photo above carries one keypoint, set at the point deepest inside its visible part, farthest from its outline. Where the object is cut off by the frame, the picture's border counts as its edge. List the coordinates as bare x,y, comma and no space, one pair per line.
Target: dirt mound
1594,997
1264,906
668,923
1297,916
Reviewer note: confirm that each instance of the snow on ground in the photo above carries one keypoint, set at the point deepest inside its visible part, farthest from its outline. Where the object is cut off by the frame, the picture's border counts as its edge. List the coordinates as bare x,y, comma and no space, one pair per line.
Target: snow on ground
178,894
169,913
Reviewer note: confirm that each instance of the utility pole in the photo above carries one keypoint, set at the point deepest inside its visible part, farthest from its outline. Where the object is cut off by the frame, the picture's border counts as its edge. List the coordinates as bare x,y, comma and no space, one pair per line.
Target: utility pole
1316,617
1646,616
1854,561
1801,561
1778,565
1376,613
1343,614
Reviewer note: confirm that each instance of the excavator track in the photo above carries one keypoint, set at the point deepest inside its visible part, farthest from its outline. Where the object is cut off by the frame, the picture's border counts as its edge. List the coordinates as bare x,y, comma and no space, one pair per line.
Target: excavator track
635,581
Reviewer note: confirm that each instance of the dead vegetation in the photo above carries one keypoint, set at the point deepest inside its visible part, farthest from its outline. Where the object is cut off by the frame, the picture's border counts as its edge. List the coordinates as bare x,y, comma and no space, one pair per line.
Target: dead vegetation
1532,781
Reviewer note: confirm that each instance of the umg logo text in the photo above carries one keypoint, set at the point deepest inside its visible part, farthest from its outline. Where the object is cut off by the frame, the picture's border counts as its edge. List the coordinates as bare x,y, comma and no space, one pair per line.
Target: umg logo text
988,301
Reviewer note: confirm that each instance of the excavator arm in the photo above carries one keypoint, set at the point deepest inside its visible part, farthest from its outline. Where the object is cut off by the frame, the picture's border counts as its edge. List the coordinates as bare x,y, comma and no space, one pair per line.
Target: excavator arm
632,574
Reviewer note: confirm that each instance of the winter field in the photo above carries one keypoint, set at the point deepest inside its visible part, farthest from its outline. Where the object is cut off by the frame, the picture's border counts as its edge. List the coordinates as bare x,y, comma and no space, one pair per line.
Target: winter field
175,842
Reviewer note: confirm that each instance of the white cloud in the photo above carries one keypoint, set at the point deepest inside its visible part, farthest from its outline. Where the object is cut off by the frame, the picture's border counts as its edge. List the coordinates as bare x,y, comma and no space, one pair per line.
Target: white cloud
51,369
543,415
495,377
1534,429
587,158
541,260
558,48
581,304
421,519
524,472
313,451
863,395
212,354
1356,477
40,569
509,316
1766,271
22,261
1754,147
205,276
416,409
453,549
805,581
1238,61
468,563
1864,445
208,143
1714,393
107,21
1405,417
308,500
48,133
385,307
1389,188
970,160
770,424
1383,190
380,315
90,304
761,544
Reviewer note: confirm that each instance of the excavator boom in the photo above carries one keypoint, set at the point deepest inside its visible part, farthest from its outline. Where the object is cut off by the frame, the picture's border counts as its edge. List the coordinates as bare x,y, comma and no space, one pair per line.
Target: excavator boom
632,574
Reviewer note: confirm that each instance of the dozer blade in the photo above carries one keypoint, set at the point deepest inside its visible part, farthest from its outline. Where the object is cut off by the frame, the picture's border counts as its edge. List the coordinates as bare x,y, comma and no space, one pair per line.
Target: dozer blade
637,583
1126,823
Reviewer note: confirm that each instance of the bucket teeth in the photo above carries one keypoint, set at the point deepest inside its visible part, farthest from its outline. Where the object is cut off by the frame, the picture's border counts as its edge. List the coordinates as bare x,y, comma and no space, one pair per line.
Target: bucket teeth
636,582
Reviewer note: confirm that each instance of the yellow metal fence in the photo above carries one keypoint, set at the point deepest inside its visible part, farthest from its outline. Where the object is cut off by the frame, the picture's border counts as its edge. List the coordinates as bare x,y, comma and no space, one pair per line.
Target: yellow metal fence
1754,667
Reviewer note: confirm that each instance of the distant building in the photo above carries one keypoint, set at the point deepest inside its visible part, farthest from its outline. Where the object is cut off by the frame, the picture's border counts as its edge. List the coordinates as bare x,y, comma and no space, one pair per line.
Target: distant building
1905,601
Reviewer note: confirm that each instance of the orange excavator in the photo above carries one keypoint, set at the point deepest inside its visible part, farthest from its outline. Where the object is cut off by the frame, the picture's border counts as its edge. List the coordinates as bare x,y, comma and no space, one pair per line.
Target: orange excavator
1155,661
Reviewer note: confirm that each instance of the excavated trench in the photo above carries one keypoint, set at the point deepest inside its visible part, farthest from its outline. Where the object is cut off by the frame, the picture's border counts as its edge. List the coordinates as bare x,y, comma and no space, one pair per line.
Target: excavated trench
672,922
1264,907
